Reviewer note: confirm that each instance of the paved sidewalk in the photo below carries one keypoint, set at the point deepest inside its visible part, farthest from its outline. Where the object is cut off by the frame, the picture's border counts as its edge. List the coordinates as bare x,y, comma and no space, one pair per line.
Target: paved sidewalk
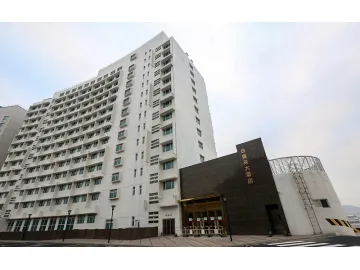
171,241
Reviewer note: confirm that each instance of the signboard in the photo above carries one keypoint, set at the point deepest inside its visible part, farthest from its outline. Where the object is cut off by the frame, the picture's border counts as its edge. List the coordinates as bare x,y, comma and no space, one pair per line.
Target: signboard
212,218
247,169
205,218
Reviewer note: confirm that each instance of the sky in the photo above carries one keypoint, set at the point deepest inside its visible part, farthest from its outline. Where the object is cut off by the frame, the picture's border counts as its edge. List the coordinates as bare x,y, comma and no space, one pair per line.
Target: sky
295,85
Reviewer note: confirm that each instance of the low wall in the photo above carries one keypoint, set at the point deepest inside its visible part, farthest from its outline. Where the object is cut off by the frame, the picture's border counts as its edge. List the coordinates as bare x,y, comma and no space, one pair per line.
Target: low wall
116,234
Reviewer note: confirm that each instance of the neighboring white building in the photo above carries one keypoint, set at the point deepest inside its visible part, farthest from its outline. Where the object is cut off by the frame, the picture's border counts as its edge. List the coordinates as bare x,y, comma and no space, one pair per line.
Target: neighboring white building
119,139
308,198
11,120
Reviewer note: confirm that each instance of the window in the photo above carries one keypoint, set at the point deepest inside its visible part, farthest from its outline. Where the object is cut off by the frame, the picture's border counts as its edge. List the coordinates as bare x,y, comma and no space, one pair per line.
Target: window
61,224
141,171
81,219
195,99
201,145
143,140
167,103
108,224
87,183
144,125
115,177
52,224
168,185
133,191
199,132
83,198
202,158
91,219
168,165
142,155
321,203
113,193
197,120
167,131
94,196
167,116
167,147
43,225
18,225
117,161
136,156
79,184
97,181
137,142
119,147
121,134
196,109
140,189
134,172
123,123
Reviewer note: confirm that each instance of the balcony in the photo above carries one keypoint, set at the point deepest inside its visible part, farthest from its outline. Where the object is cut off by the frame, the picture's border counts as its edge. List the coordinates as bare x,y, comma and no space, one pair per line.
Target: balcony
168,109
167,156
129,84
166,74
166,56
125,112
130,75
169,201
132,67
170,174
128,92
122,136
167,64
126,102
166,96
166,139
118,163
167,123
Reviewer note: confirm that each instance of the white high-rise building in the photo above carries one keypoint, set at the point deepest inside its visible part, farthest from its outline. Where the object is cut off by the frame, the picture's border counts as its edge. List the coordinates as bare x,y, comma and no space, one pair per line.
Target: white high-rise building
118,139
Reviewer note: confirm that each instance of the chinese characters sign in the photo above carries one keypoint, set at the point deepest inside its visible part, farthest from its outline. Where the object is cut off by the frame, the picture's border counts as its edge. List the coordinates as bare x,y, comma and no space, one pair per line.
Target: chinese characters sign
246,167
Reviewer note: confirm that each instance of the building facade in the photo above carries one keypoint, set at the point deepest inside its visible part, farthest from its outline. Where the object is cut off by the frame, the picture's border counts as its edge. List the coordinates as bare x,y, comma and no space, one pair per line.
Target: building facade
246,193
11,120
118,139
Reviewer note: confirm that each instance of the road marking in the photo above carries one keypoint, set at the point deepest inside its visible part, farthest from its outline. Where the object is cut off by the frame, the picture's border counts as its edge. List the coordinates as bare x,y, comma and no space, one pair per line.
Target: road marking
273,244
336,245
315,245
296,244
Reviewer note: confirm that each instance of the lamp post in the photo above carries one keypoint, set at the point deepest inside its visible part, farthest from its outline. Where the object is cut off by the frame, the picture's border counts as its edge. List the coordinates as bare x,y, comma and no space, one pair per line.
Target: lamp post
25,229
111,221
227,218
69,212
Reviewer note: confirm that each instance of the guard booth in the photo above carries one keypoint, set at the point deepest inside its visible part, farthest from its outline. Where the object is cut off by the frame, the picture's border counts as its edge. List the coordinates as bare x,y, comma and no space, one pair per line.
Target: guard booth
203,216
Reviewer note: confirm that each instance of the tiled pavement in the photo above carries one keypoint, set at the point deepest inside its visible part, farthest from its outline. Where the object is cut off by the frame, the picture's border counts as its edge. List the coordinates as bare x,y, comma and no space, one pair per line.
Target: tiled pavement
170,241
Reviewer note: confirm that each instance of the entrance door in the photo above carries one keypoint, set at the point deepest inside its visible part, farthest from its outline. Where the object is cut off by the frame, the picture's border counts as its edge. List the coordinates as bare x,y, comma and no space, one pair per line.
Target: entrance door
275,219
169,226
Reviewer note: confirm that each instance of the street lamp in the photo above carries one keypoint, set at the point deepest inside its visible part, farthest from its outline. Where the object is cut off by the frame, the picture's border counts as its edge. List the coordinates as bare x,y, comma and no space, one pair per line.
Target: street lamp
25,229
111,221
69,212
227,217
